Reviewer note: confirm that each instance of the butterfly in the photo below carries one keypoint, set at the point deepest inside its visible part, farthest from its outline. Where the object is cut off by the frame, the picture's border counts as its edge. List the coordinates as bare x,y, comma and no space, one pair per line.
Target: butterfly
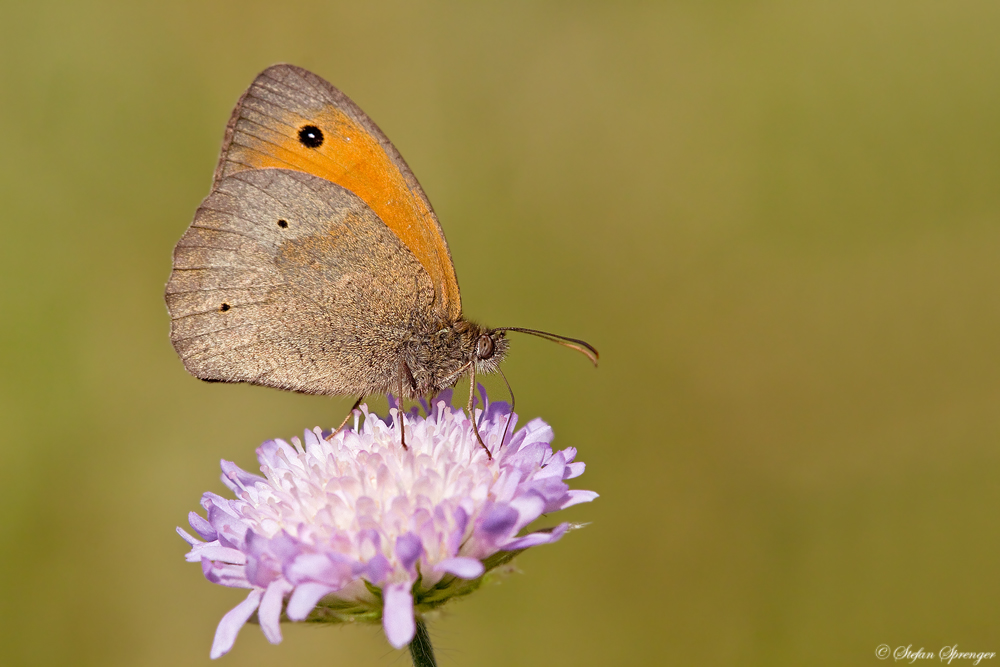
316,263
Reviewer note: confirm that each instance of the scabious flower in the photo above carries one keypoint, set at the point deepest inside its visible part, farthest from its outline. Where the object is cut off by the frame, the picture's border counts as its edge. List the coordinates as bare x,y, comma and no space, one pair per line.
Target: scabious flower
357,529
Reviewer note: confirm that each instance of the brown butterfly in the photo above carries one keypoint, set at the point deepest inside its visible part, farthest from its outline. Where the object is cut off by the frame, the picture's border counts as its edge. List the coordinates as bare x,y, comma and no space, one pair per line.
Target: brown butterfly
316,264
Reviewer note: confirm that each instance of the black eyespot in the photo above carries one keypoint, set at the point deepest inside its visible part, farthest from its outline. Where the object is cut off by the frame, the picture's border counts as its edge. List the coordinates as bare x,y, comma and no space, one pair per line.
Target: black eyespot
484,347
311,136
224,307
283,223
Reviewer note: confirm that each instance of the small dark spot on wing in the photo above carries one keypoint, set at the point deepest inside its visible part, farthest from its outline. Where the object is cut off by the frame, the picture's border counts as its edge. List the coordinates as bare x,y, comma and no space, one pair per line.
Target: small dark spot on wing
311,136
224,307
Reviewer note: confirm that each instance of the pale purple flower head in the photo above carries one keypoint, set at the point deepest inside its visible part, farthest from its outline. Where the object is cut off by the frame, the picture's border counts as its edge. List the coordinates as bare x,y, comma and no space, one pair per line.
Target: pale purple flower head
358,529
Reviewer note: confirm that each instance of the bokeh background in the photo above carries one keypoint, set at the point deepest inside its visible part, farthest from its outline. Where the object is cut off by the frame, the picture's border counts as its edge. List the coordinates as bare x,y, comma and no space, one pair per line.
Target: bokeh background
778,221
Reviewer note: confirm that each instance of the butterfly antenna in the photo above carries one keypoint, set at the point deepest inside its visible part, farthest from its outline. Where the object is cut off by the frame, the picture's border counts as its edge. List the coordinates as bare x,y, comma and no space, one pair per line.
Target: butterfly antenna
581,346
510,415
472,413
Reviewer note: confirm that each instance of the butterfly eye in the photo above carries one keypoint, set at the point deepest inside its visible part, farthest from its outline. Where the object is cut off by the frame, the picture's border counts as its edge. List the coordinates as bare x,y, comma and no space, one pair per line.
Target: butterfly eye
484,348
311,136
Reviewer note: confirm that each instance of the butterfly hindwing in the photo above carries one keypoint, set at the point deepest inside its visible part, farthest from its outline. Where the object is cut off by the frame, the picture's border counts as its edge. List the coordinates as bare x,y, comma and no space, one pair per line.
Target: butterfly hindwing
289,280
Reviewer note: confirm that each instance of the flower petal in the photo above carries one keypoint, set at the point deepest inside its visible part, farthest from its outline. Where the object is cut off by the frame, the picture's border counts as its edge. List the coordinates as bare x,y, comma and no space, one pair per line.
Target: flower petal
553,467
305,598
232,530
271,452
217,552
236,477
576,497
397,614
326,569
193,541
202,527
444,397
529,456
225,574
310,439
409,548
233,622
534,539
269,613
466,568
529,507
498,521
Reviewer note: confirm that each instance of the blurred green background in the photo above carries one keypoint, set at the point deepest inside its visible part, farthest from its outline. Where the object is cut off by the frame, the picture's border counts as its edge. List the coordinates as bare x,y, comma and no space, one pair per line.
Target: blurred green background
778,221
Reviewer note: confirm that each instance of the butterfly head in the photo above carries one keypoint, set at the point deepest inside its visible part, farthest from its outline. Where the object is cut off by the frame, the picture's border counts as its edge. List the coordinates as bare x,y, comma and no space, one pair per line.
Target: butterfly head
491,348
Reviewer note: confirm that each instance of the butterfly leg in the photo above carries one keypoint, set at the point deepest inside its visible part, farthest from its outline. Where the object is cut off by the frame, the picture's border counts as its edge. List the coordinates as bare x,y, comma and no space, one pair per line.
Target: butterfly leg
403,374
472,406
344,423
402,425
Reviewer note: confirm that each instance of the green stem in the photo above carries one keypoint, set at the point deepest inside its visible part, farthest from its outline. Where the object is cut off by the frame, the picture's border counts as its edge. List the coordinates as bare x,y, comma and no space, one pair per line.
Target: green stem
420,648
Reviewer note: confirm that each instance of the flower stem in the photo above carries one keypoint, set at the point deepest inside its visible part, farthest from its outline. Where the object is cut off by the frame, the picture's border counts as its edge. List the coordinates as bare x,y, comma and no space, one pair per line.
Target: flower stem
420,648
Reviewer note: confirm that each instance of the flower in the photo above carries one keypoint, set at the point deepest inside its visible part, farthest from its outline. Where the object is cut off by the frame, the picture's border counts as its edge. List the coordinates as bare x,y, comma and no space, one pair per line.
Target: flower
355,528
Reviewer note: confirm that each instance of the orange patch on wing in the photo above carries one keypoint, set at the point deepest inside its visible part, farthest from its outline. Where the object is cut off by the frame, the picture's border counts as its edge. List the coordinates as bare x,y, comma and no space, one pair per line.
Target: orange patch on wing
353,159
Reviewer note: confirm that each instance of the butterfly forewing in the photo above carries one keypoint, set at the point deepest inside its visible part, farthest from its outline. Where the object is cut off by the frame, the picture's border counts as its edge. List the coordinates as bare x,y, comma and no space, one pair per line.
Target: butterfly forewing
292,119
